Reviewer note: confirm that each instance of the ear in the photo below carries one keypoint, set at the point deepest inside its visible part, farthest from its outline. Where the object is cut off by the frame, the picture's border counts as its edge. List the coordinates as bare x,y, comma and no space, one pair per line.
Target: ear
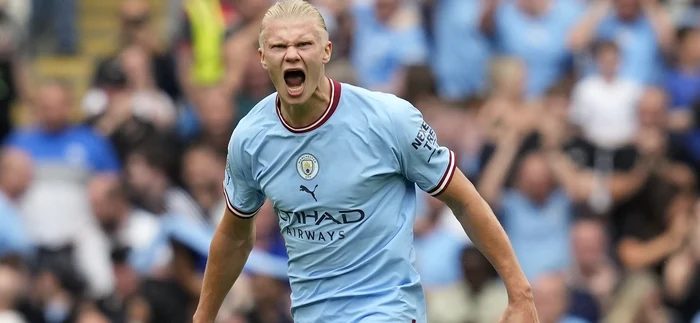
327,52
262,58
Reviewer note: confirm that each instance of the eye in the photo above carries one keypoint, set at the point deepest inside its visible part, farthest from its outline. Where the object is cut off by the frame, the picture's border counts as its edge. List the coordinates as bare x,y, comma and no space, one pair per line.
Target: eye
304,44
277,46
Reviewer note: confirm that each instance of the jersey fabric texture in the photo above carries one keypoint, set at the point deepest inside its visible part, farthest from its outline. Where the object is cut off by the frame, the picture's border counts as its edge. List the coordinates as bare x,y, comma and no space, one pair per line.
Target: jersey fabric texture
344,190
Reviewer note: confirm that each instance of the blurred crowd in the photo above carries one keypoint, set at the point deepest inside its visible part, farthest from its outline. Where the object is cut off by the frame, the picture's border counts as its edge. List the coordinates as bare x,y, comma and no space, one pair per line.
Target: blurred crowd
577,120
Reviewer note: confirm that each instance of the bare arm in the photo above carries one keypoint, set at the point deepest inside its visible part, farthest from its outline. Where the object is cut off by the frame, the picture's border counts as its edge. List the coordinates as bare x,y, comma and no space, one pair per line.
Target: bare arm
679,271
636,254
579,183
584,31
487,24
662,23
482,227
496,171
230,247
237,50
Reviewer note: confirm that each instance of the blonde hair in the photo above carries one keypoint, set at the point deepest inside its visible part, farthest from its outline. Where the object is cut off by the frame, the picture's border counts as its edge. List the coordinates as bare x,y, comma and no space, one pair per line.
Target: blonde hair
503,69
299,9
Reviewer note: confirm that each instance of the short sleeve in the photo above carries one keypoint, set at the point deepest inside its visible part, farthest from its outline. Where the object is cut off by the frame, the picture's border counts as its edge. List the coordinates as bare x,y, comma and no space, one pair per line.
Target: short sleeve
421,158
242,198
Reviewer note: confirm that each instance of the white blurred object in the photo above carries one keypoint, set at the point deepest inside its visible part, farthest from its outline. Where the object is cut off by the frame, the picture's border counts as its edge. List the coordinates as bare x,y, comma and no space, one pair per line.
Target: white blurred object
606,111
11,317
19,10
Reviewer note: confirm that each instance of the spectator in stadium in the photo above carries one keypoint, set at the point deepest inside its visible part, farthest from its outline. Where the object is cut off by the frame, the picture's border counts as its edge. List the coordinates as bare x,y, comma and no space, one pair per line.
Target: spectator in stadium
256,85
479,298
592,274
120,105
642,29
124,225
11,284
535,32
62,16
202,178
682,275
137,30
387,38
14,71
16,172
552,300
683,79
216,117
458,19
536,213
146,101
271,305
149,171
65,156
604,106
507,109
338,17
210,50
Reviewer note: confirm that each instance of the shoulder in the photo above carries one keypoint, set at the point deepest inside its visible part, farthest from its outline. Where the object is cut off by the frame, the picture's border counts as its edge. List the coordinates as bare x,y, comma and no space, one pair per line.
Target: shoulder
254,125
384,105
259,118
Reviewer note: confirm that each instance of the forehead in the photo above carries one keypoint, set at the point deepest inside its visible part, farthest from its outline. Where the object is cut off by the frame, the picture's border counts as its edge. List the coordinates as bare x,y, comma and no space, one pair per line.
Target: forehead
290,29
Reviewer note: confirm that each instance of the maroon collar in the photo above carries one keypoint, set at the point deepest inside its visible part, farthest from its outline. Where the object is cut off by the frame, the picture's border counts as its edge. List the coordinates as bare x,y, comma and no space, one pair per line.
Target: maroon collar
332,105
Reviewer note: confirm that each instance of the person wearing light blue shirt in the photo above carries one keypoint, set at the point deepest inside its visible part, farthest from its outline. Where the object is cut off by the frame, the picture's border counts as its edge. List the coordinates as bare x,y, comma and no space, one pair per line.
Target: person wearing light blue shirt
643,31
460,67
340,165
537,34
382,49
16,172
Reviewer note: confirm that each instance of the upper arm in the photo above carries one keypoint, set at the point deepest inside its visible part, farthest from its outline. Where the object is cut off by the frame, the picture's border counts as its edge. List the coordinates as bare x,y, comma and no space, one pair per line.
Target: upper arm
422,160
243,198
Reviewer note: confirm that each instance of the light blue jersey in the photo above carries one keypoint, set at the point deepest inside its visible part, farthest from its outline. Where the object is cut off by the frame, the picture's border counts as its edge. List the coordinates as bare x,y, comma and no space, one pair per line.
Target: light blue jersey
343,189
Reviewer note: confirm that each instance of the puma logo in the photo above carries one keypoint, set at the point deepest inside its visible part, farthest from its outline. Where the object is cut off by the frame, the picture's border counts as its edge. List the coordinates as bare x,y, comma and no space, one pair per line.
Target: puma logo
303,188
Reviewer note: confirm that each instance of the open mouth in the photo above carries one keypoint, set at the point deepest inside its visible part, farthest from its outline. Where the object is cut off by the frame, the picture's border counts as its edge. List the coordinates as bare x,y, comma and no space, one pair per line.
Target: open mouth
295,81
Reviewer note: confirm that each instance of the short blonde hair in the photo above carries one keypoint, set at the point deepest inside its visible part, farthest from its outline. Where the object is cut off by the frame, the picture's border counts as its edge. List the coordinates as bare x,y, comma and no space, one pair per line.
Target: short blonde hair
293,9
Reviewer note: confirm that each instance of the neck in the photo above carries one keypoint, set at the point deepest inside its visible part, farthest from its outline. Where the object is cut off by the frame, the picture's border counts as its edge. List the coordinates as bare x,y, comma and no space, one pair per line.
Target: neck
302,115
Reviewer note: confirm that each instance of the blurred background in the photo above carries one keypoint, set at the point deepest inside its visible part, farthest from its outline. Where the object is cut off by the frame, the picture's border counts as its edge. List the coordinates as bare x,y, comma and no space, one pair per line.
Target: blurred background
578,121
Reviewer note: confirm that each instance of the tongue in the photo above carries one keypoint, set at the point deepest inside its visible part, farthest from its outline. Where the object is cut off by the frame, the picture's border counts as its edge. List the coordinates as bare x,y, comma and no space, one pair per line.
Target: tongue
294,80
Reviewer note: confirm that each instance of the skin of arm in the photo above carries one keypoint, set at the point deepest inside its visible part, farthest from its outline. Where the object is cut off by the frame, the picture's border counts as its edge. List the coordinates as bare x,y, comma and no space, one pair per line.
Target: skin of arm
579,183
230,247
662,23
679,271
487,23
583,32
481,225
636,254
496,170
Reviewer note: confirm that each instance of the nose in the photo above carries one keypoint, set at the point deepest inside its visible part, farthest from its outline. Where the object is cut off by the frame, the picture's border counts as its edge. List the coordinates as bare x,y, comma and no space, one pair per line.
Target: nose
292,54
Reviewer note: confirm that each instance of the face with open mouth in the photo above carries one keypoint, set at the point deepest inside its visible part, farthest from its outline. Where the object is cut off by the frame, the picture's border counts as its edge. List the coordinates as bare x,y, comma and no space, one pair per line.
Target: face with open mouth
294,52
294,80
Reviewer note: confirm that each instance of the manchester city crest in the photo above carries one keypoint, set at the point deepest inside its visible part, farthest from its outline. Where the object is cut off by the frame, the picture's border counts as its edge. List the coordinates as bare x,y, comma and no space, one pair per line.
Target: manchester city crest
307,166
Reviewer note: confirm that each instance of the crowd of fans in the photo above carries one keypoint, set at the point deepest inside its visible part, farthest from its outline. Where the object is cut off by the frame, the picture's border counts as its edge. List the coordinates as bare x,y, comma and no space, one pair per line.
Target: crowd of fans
577,120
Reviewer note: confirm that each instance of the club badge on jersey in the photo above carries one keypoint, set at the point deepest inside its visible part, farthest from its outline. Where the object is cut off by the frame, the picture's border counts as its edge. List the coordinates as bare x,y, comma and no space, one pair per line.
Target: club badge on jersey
307,166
